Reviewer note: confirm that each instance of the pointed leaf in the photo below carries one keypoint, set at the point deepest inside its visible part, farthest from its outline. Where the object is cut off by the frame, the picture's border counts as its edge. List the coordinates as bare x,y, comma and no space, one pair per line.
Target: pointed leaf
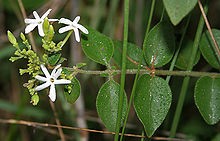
178,9
134,53
54,58
72,91
107,104
97,46
207,92
160,45
152,101
206,46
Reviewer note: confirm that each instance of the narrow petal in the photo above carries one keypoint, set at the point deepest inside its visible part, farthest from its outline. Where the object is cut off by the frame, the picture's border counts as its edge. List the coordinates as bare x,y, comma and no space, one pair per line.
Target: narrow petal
42,86
46,14
45,71
83,29
55,70
52,93
62,81
65,21
76,31
41,78
29,21
57,73
64,29
76,20
40,30
29,28
53,20
36,16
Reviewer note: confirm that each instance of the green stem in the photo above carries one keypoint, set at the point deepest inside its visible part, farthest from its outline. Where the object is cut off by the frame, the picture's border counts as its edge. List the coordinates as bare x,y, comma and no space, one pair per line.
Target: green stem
123,70
66,38
187,79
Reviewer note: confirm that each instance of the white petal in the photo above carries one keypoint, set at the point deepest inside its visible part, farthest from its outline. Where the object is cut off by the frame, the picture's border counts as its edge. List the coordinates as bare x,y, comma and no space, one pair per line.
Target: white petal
40,30
53,20
83,29
45,71
64,29
28,21
57,73
36,16
62,81
41,78
42,86
46,14
29,28
65,21
52,93
76,31
55,70
76,20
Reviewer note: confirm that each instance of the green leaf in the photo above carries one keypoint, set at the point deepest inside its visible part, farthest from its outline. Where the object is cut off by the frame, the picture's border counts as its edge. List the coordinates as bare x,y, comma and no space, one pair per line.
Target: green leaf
160,45
133,55
72,91
97,46
207,92
107,104
206,46
54,58
12,39
178,9
152,101
184,55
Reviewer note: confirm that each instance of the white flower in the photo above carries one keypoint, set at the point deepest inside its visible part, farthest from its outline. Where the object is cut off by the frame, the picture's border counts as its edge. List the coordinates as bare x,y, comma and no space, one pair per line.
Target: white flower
73,25
51,80
37,22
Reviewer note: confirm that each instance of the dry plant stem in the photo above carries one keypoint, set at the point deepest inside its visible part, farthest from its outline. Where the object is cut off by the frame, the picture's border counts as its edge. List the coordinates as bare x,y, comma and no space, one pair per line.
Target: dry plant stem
30,34
38,124
210,31
57,121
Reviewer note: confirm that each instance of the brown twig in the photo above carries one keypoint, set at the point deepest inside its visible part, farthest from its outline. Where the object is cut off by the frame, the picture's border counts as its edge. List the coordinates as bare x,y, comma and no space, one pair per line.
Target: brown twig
210,31
57,121
34,124
30,35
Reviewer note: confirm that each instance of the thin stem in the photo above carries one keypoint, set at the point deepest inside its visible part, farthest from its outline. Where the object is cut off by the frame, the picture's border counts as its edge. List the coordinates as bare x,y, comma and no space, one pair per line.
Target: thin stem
187,79
66,38
30,35
57,121
123,70
216,48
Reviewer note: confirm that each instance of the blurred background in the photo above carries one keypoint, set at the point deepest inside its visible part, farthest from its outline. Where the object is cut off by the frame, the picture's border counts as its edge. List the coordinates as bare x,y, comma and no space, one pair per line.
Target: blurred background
106,16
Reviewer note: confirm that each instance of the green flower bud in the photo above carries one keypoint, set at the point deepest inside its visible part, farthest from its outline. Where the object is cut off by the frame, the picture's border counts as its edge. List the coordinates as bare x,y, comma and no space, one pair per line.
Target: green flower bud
34,99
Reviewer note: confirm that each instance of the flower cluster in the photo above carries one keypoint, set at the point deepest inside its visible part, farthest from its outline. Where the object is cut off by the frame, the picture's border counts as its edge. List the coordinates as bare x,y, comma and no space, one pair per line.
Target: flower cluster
37,65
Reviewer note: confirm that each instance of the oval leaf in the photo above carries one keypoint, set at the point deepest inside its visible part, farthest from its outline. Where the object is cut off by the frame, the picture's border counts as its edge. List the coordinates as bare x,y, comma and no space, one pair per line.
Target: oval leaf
134,53
160,45
207,92
152,101
97,46
184,55
54,58
72,91
178,9
206,46
107,104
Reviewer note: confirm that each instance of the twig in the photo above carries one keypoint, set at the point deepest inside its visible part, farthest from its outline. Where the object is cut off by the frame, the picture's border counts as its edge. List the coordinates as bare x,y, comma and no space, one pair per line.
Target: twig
34,124
30,35
57,121
210,31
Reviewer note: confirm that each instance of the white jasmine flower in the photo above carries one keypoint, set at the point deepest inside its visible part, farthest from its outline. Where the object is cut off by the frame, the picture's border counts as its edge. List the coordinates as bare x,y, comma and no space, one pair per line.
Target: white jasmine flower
51,80
37,22
73,25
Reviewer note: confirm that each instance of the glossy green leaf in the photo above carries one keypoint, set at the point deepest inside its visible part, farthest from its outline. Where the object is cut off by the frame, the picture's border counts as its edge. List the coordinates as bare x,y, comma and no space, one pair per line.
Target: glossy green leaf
152,101
133,55
207,92
184,55
107,104
72,91
160,44
54,58
206,46
178,9
97,46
